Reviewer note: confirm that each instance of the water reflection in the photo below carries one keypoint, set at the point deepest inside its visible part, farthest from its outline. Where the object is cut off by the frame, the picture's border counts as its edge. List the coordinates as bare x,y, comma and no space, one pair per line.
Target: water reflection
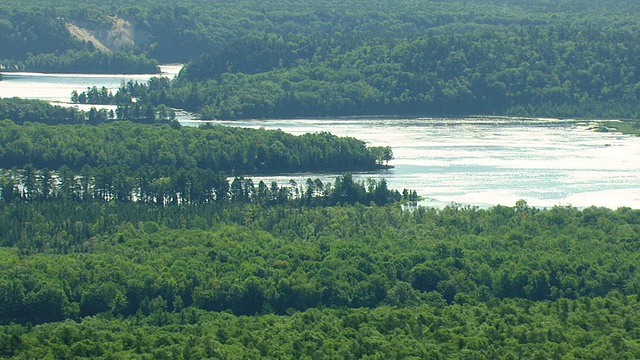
478,161
58,87
489,161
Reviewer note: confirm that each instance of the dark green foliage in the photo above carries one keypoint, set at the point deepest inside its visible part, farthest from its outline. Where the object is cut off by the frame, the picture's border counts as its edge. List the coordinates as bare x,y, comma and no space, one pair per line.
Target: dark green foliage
127,147
32,31
93,95
556,69
184,186
35,39
24,110
459,280
136,246
21,110
281,59
160,246
87,61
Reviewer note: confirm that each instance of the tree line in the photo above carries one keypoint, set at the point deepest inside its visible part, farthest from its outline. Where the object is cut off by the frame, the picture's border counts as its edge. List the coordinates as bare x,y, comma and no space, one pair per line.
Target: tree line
22,110
28,110
137,102
530,58
184,187
582,69
129,147
91,61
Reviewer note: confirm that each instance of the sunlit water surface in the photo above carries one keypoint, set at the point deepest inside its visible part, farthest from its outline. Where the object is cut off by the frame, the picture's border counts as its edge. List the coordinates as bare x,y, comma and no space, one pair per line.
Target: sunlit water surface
489,161
474,161
57,88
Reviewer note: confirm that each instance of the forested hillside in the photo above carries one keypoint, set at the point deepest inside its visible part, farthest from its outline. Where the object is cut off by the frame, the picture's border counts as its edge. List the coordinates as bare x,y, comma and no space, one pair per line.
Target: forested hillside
464,58
451,70
309,58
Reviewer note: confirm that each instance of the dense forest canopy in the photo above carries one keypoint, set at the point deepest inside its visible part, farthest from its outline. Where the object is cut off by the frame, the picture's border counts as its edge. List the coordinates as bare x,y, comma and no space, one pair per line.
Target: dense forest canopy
285,281
457,69
22,110
309,58
130,147
483,60
206,26
129,240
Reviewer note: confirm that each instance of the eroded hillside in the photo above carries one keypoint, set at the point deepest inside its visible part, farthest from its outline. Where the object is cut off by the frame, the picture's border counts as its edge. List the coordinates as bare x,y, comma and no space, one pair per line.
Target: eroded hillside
118,35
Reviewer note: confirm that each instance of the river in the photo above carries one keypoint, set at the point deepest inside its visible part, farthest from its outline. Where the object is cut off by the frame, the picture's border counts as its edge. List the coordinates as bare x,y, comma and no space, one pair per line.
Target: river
57,88
491,160
480,161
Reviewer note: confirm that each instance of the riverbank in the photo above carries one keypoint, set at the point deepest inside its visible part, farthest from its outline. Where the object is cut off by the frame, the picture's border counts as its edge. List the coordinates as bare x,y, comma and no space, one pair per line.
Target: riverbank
628,127
57,88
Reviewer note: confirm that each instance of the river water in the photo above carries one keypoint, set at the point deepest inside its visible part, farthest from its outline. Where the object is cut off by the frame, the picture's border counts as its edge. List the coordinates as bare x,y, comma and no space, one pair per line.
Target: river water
488,161
471,161
57,88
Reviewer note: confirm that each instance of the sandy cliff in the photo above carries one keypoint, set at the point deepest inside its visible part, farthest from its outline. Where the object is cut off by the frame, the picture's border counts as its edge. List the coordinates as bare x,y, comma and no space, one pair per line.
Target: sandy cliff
119,35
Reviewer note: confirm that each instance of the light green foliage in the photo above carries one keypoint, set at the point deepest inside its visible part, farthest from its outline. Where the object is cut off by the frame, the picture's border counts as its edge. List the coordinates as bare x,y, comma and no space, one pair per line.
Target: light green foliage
320,281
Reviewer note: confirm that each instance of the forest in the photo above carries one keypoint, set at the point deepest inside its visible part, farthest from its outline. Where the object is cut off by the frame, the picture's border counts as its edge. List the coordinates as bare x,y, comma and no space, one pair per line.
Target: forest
454,70
31,110
130,280
86,61
280,59
27,110
132,146
126,252
125,235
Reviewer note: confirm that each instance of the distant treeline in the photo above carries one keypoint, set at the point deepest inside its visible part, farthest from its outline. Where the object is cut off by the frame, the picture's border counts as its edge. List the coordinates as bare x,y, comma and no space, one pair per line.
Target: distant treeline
33,39
27,110
557,69
278,59
179,31
138,102
21,110
87,61
186,187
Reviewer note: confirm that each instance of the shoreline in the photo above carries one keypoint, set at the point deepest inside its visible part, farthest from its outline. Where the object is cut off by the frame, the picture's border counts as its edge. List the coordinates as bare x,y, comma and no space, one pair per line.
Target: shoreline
626,127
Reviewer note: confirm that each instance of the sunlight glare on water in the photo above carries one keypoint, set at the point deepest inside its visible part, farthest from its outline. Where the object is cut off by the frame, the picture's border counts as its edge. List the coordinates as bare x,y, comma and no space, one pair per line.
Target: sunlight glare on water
58,87
489,161
480,161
